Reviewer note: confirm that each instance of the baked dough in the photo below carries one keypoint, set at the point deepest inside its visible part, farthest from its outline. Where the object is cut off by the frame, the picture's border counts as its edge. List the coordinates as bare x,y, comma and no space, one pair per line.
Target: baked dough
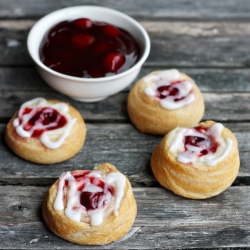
46,131
145,102
198,162
101,225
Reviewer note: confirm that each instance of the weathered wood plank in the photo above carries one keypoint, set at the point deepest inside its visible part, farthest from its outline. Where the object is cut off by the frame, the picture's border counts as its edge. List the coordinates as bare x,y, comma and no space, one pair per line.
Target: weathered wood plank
219,106
119,144
208,80
164,221
179,44
181,9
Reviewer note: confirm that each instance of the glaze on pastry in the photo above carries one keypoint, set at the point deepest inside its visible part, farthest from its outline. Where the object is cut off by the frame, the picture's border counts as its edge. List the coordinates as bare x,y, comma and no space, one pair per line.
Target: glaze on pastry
198,162
45,131
90,207
163,100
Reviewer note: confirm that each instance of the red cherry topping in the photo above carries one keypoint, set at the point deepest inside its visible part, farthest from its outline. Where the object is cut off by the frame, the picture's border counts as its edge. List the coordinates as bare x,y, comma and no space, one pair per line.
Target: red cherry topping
101,47
195,140
96,73
82,23
26,111
44,117
113,61
164,91
93,200
80,178
66,68
82,41
214,147
85,48
111,31
201,129
170,90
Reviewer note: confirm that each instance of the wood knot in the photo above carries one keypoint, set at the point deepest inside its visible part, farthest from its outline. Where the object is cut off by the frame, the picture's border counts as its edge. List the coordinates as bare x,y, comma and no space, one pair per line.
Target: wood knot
20,208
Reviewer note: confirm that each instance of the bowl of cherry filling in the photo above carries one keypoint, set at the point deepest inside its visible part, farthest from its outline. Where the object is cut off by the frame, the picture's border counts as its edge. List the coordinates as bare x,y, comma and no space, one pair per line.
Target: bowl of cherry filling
88,52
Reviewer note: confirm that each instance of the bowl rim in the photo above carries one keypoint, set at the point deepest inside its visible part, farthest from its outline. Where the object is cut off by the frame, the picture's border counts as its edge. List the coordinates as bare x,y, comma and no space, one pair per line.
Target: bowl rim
100,79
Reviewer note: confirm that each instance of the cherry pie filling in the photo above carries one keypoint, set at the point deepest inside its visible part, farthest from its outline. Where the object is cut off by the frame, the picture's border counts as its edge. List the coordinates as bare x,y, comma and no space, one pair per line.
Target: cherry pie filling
89,49
44,119
169,90
206,145
171,94
98,197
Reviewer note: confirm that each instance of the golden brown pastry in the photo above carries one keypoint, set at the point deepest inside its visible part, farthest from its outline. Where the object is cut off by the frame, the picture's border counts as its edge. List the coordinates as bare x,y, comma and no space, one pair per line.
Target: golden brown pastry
163,100
198,162
45,131
90,207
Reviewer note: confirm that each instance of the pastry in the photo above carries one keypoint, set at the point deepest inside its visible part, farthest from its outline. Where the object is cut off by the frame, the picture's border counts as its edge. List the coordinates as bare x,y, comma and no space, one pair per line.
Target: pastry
90,207
163,100
198,162
45,131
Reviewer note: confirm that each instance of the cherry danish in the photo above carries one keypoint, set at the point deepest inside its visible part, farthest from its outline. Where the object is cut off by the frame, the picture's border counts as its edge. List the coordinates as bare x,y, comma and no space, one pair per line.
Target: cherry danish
197,162
90,207
163,100
46,131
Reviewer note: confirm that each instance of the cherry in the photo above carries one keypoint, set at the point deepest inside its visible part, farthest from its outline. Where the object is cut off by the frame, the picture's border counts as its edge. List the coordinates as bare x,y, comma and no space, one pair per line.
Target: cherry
58,34
43,117
83,23
164,91
91,200
110,30
203,152
95,200
193,140
101,47
82,41
89,49
113,61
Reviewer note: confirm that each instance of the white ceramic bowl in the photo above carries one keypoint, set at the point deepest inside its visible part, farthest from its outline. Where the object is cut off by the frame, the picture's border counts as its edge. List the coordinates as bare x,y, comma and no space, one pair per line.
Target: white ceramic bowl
88,89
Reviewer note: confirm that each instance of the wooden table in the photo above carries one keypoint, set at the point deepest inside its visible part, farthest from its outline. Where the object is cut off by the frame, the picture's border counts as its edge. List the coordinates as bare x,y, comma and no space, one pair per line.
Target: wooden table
210,41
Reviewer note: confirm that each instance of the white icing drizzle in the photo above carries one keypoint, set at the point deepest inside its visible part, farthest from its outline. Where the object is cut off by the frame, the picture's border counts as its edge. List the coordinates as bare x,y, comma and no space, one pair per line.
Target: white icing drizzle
115,177
74,209
213,161
165,78
72,198
191,154
60,133
58,203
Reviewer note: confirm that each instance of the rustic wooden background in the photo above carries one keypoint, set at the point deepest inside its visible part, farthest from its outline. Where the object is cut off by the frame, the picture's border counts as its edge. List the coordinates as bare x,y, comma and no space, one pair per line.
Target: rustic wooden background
210,41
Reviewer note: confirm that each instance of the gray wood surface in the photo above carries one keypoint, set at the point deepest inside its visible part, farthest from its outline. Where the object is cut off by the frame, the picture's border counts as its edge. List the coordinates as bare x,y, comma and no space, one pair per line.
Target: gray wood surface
167,9
219,106
178,44
120,144
209,80
164,221
209,40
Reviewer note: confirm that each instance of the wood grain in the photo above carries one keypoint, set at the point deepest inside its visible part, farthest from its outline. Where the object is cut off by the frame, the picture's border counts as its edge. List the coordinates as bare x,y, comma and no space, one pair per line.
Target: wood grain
209,40
120,144
214,80
167,9
164,221
179,44
218,106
